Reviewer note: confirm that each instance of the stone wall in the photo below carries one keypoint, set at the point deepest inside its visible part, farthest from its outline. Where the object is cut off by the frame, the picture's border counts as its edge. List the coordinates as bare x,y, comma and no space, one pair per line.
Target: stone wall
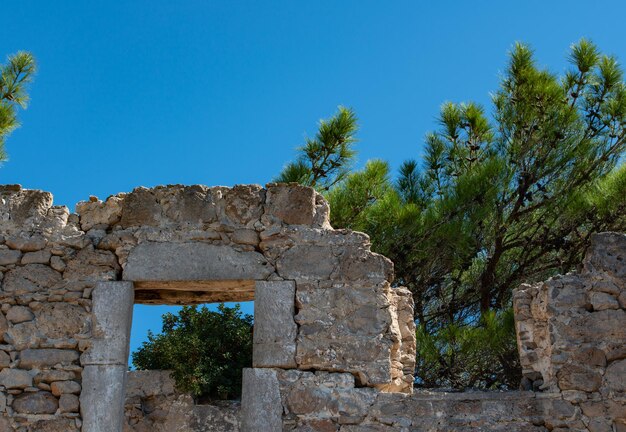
153,405
184,245
334,343
572,335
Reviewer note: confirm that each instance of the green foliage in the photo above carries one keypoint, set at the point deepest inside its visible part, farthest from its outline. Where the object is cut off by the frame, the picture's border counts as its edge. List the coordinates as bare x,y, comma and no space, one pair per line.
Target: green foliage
326,159
205,350
470,356
14,76
500,198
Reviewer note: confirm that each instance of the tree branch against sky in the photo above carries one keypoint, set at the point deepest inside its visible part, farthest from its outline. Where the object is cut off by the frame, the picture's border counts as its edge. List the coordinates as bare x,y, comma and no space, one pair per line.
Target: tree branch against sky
15,75
326,159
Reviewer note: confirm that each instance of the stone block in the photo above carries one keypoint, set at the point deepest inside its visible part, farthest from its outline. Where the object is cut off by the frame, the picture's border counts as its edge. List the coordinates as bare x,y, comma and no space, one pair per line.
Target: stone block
152,261
19,314
102,398
15,378
26,243
261,404
65,387
307,262
5,360
8,257
291,204
275,330
30,278
602,301
35,403
94,213
112,317
244,203
39,257
615,377
68,403
25,208
46,358
140,208
61,320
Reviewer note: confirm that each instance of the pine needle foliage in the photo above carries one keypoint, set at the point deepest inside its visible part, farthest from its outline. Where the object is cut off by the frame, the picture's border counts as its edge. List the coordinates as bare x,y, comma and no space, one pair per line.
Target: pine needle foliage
326,159
500,197
15,75
205,350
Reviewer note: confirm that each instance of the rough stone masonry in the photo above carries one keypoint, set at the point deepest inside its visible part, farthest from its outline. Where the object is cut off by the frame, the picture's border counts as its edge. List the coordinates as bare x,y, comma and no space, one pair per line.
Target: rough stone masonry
334,342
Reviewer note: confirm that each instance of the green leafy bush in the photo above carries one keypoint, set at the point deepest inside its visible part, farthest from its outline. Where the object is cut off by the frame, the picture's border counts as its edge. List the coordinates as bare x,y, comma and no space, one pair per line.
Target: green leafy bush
205,350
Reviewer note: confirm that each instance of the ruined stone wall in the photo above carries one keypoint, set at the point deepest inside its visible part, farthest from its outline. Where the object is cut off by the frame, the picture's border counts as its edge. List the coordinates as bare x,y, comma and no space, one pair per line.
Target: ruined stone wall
572,336
334,343
345,313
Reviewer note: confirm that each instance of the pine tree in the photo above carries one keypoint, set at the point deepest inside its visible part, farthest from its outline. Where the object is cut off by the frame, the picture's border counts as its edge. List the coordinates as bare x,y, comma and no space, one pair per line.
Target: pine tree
499,199
14,77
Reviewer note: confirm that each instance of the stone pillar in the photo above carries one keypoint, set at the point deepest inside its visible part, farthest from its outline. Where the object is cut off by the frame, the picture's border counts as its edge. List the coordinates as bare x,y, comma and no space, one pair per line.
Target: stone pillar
261,405
106,361
275,330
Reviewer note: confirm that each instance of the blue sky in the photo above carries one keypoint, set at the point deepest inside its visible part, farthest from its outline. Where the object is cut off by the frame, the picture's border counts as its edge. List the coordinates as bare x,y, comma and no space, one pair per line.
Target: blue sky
154,92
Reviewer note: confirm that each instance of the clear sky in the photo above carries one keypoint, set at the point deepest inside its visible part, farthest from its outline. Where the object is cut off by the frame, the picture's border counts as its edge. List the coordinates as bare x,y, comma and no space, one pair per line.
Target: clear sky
150,92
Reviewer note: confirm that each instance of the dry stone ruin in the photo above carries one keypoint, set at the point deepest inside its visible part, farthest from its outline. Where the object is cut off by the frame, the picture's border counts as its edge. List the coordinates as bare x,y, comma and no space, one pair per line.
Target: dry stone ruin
334,340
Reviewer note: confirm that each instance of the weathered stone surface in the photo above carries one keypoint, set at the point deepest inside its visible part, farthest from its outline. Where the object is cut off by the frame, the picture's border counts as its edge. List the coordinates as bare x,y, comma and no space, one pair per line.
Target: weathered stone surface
30,278
26,243
193,261
140,207
99,213
291,204
41,358
5,360
4,325
571,329
55,425
49,376
615,376
68,403
244,203
25,208
65,387
606,254
39,257
18,314
23,335
35,403
577,377
8,257
345,329
92,265
275,329
602,301
15,378
307,262
102,397
112,317
261,401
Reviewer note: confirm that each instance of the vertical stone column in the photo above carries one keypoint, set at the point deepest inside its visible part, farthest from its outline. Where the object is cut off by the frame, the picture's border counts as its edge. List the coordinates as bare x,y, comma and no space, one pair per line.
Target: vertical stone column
261,404
105,363
274,346
275,330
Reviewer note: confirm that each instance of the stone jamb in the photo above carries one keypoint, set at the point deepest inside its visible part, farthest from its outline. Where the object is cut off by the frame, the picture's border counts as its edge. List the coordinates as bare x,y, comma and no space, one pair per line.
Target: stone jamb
105,363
